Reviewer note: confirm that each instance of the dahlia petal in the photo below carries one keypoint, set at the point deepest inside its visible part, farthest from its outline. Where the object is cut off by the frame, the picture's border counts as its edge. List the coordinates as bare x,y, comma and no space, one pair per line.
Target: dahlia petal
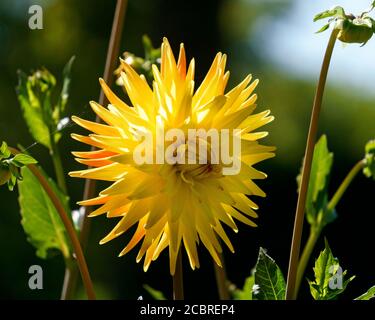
111,172
106,115
245,205
96,127
255,121
113,203
151,235
137,237
158,208
181,64
97,154
237,215
94,201
220,231
112,98
94,162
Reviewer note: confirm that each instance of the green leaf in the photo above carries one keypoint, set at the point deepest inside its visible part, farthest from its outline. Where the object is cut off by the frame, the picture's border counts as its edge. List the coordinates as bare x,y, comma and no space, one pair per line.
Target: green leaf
4,151
33,109
157,295
40,220
268,278
337,11
66,84
324,28
317,197
246,293
370,294
21,160
329,278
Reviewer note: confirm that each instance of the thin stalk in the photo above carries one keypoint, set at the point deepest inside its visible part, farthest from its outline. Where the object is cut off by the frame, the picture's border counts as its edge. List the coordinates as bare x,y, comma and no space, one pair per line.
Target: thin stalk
110,65
71,275
70,280
68,226
221,279
67,291
316,231
178,281
311,138
59,170
345,184
305,257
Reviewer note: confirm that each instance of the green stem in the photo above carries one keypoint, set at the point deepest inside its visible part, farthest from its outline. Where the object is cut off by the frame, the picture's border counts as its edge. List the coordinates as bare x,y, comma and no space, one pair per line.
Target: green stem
311,138
345,184
82,265
178,282
221,279
59,170
305,257
316,231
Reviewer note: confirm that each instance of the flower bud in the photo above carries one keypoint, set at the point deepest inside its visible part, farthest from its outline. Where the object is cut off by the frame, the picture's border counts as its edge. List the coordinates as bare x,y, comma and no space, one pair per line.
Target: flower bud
357,30
5,174
351,29
369,169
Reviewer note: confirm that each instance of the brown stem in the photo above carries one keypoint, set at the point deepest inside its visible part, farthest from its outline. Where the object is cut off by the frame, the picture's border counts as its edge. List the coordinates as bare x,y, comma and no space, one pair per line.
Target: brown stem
178,281
221,279
70,280
311,138
110,65
68,226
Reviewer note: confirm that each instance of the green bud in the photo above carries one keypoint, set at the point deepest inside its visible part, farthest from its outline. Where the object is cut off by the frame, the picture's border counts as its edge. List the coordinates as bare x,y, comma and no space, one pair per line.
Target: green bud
369,169
42,81
5,174
351,29
141,65
357,30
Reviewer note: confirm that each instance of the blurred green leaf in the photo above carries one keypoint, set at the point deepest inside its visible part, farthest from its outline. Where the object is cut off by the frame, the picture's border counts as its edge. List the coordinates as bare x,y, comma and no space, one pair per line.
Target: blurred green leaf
21,160
369,169
268,278
66,83
34,94
370,294
4,151
329,278
33,107
246,293
317,197
156,294
64,95
40,220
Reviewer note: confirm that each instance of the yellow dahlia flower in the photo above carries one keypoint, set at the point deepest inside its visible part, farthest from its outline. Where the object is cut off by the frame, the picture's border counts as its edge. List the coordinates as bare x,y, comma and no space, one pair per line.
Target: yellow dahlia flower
174,204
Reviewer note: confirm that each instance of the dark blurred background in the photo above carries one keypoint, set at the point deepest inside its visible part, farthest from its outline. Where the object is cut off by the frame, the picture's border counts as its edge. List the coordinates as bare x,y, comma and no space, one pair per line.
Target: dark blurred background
274,41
